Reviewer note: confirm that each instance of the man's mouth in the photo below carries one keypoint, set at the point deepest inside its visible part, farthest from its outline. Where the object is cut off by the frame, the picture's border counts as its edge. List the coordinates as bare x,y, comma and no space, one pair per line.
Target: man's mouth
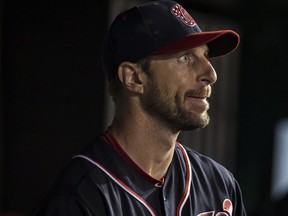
202,93
202,97
198,98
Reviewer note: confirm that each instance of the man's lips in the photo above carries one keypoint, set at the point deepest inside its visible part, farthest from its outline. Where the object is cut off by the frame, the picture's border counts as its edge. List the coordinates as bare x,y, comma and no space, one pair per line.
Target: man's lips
203,97
199,94
199,98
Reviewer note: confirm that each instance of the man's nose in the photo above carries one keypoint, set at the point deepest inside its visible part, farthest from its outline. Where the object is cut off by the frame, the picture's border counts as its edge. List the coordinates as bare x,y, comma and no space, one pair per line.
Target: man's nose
208,74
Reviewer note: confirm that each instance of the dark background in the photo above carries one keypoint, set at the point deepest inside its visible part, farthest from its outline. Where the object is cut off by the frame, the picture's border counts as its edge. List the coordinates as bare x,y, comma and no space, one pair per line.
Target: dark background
52,91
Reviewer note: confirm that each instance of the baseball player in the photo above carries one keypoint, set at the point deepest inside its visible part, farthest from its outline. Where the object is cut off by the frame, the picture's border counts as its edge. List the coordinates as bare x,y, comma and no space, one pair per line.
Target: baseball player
157,61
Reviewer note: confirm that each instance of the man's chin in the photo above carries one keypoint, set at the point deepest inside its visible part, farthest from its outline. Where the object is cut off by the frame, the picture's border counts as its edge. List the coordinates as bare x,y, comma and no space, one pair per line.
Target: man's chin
196,123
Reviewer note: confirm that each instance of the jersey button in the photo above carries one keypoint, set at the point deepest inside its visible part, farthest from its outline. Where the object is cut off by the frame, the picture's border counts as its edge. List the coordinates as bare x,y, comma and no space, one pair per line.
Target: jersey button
164,199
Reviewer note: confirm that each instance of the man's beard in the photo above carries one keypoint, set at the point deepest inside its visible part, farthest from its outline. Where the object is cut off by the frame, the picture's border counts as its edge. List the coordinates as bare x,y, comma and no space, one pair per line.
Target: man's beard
170,111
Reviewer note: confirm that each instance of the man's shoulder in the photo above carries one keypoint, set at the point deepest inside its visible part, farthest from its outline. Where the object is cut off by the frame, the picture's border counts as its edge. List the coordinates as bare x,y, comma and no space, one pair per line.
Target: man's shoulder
76,184
79,170
207,167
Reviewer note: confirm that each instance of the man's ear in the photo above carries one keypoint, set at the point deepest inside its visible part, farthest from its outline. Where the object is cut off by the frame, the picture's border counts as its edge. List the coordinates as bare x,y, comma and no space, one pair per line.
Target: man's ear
129,75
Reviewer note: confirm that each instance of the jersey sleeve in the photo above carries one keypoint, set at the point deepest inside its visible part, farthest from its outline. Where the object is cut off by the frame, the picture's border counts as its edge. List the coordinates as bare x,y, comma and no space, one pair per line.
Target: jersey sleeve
239,208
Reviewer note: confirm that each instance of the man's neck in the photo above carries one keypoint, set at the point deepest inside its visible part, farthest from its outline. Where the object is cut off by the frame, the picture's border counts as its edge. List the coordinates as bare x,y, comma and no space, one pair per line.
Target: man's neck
150,147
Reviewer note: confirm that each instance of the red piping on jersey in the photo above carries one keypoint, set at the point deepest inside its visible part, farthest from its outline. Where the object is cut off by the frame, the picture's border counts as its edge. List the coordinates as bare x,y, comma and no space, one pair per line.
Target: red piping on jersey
187,182
120,183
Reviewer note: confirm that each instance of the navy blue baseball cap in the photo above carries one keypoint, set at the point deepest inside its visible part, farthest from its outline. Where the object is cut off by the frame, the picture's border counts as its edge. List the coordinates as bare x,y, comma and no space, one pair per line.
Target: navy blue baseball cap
158,28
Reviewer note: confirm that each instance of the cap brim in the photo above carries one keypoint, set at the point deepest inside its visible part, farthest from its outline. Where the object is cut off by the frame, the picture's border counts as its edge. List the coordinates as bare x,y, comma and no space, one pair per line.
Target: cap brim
219,42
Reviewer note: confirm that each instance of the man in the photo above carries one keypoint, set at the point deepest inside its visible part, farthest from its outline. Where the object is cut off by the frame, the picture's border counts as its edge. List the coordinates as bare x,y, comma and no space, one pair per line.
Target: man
157,62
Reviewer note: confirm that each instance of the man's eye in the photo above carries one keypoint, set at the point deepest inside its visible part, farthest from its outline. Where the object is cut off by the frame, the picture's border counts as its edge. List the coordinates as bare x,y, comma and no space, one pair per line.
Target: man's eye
185,58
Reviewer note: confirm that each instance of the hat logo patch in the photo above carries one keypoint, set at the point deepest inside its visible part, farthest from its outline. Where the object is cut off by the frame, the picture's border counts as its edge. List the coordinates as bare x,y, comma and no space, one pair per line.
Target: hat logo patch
178,11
